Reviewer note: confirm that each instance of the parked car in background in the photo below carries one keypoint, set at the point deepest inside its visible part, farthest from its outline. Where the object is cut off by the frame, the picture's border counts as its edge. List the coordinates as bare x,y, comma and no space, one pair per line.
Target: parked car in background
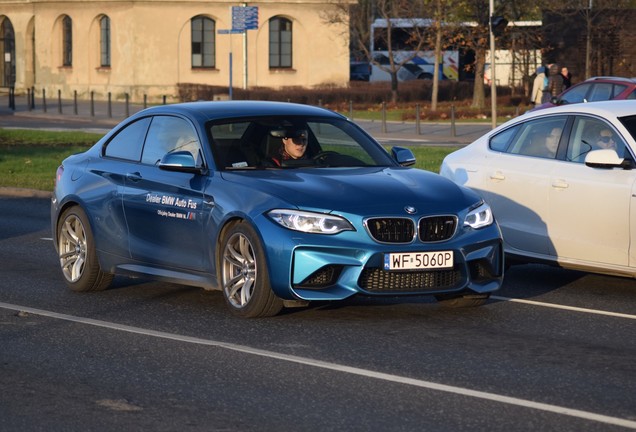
561,183
359,71
594,90
207,194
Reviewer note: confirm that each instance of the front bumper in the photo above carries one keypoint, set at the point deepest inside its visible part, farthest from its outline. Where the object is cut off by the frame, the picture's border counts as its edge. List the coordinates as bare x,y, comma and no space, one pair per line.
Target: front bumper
336,267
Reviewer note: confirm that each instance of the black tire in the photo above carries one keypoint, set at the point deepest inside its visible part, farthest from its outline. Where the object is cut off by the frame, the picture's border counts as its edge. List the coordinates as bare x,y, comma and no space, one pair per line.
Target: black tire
77,254
244,276
462,301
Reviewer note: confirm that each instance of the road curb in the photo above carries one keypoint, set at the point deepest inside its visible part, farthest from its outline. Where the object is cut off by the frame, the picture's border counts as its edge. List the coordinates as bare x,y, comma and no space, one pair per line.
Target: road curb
24,193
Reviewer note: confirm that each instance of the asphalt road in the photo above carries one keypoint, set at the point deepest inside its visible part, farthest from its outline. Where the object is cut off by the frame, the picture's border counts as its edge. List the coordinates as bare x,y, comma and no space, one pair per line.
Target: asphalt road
553,351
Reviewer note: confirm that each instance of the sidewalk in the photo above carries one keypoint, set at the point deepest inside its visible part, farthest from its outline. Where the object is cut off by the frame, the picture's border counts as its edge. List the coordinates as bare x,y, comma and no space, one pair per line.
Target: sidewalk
102,116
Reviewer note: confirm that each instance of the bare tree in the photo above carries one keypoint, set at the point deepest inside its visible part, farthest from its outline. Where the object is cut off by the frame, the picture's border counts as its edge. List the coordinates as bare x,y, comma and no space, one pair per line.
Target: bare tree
600,29
359,18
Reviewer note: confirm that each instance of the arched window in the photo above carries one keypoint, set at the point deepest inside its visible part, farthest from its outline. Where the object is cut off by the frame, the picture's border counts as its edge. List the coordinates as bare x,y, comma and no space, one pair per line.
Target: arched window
104,41
67,41
203,41
280,43
7,53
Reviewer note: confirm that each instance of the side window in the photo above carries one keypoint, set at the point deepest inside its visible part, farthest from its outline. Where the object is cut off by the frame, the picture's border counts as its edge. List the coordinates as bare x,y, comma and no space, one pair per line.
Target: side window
501,141
632,95
67,41
203,42
104,41
618,89
576,94
280,43
601,92
592,134
128,142
539,137
170,134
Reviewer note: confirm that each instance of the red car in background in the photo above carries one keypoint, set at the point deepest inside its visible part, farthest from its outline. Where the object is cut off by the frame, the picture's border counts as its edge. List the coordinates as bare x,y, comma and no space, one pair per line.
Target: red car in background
595,89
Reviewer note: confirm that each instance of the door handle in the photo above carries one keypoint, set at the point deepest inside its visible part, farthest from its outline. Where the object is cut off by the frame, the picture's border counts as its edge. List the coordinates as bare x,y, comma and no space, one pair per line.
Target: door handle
560,184
497,175
134,177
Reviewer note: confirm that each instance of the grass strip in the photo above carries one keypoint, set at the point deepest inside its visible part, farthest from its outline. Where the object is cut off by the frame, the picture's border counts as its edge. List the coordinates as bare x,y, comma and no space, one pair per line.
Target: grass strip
29,158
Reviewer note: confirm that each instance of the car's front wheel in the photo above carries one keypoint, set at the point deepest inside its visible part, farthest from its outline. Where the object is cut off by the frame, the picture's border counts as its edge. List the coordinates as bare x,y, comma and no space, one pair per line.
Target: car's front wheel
244,274
77,254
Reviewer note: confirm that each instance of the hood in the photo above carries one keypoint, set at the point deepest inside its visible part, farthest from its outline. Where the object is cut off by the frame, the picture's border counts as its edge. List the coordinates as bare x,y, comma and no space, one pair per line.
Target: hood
365,191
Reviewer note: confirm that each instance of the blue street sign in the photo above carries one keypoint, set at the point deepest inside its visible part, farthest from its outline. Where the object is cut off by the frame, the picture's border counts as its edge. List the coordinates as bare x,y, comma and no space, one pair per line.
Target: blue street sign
245,17
230,31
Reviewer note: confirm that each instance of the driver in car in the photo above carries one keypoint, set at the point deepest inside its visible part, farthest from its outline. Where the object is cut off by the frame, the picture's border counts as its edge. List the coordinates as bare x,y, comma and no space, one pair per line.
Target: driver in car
294,146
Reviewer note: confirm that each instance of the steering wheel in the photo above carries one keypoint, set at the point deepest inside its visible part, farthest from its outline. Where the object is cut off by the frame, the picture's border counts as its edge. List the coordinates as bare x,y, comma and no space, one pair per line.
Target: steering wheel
323,155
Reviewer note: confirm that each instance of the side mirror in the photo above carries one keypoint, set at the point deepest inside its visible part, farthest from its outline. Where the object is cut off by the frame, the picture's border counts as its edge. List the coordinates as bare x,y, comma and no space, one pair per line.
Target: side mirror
403,156
181,161
606,158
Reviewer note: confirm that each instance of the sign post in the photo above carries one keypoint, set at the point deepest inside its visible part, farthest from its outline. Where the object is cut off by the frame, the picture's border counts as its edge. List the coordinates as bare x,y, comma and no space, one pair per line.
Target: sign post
230,32
243,18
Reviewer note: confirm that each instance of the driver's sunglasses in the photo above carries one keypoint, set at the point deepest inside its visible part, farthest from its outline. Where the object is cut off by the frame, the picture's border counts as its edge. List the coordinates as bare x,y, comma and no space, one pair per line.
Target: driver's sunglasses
606,138
298,140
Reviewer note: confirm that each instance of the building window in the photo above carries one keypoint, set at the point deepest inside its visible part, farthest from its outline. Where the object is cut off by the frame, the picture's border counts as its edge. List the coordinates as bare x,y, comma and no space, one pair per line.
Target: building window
104,41
280,43
203,40
67,41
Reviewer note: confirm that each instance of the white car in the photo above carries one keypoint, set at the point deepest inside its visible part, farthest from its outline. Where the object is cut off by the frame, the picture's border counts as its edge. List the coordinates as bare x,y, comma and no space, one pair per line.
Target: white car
561,183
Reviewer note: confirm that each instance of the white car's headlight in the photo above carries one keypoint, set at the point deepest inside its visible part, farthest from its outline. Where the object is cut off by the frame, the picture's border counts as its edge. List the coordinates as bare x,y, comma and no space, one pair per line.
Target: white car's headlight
479,217
310,222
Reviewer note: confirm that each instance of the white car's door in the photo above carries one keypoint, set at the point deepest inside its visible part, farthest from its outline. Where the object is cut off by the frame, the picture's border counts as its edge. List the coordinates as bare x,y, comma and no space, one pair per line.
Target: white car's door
516,181
516,187
589,218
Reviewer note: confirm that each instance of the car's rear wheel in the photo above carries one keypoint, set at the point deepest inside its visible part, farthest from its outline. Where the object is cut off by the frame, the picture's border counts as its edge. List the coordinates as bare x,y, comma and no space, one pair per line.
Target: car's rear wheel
462,301
244,274
77,254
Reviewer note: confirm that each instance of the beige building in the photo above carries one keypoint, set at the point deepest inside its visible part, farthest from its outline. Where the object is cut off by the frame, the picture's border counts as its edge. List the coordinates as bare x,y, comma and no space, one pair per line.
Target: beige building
149,47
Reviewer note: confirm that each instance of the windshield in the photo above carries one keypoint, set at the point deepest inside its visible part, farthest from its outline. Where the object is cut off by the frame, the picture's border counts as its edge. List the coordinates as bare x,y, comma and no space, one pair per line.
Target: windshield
293,142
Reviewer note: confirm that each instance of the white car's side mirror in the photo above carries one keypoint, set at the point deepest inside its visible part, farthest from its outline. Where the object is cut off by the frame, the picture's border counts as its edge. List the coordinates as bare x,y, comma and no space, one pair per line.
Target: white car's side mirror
605,158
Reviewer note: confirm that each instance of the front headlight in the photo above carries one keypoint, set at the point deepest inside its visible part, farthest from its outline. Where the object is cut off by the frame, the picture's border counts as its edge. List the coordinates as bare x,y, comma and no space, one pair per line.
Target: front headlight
479,217
310,222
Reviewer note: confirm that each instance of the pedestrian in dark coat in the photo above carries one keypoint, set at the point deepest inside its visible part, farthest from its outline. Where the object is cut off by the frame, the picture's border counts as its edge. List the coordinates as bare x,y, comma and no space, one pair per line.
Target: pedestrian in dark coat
555,81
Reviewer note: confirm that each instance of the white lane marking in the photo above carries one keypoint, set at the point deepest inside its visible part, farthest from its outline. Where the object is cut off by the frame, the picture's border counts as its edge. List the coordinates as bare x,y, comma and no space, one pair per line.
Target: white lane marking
336,367
564,307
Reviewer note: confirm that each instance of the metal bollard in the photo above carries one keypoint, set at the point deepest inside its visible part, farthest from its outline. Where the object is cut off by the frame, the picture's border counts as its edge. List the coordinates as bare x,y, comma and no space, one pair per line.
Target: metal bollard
59,101
453,130
145,101
383,117
110,106
12,98
44,99
418,128
350,109
29,98
33,97
92,104
75,102
127,107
